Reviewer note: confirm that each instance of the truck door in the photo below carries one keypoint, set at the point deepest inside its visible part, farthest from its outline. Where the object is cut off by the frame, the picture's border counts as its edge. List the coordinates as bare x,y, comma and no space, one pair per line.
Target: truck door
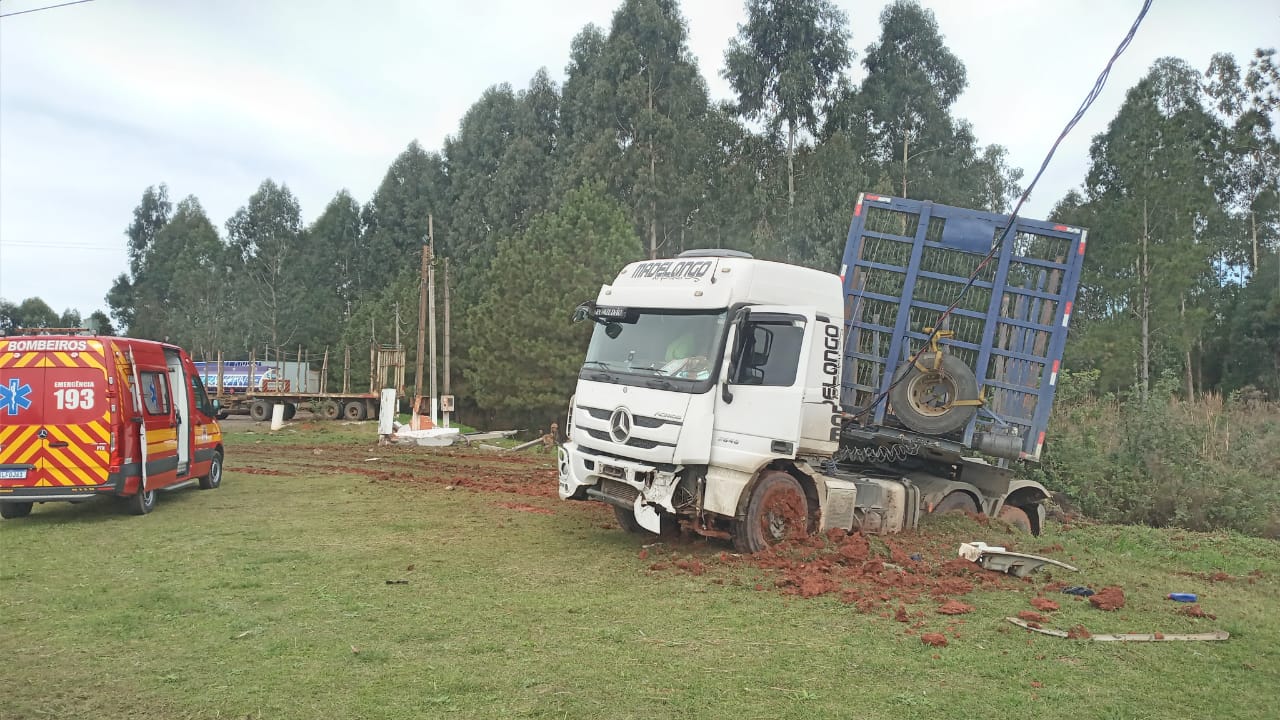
181,386
22,435
760,401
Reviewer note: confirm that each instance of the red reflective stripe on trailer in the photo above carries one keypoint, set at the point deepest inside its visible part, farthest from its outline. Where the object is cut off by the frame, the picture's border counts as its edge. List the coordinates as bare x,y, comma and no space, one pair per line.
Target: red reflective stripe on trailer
1082,244
857,208
1053,375
844,268
1064,228
1066,316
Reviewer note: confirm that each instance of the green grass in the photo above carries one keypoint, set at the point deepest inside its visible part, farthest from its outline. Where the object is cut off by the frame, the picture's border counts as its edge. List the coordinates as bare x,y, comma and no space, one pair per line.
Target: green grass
267,598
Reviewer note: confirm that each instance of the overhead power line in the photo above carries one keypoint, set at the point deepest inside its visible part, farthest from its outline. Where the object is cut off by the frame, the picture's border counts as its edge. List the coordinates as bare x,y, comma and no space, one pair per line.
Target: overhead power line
46,7
1093,94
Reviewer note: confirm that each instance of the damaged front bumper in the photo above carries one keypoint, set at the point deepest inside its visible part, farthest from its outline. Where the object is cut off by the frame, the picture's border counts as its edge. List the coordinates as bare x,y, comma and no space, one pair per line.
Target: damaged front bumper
646,490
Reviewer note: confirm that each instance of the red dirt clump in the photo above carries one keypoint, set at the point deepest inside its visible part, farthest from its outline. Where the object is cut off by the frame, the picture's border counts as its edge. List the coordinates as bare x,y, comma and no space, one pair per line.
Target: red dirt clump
1196,611
694,566
954,586
1108,598
934,639
1031,616
1035,625
1049,549
1078,632
1159,636
1219,577
1055,587
954,607
644,555
901,614
1047,605
1037,684
525,508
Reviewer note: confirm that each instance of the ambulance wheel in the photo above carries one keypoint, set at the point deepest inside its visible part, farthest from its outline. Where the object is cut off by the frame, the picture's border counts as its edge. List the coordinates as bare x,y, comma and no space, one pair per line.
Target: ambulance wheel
777,511
13,511
141,503
353,410
923,399
290,410
260,410
330,410
214,478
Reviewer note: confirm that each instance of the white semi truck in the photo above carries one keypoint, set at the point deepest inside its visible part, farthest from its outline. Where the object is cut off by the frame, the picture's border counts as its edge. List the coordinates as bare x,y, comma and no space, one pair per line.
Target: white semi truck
754,401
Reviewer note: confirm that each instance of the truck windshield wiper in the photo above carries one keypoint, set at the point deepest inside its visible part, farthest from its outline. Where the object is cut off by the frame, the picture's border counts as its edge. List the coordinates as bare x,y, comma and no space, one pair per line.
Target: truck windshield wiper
604,365
660,384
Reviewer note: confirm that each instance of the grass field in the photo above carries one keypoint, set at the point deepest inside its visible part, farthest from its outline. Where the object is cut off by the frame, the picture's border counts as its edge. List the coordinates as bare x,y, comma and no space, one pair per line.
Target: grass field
269,598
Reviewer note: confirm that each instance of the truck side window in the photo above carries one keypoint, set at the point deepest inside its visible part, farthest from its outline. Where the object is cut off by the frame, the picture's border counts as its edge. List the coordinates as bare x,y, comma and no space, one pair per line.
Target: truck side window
155,393
771,354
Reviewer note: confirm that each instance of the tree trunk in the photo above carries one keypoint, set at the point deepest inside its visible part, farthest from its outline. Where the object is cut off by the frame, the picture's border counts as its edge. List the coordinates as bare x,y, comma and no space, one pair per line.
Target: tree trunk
1145,309
1253,234
1191,386
791,166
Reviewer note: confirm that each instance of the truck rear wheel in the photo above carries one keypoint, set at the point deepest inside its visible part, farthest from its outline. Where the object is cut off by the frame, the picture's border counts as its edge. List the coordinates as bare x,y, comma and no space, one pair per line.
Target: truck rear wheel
141,502
260,410
353,410
924,399
956,502
778,510
1016,517
13,511
290,410
330,410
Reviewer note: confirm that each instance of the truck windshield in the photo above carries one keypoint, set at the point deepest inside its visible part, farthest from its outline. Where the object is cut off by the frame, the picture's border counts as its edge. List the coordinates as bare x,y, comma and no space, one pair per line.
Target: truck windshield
660,343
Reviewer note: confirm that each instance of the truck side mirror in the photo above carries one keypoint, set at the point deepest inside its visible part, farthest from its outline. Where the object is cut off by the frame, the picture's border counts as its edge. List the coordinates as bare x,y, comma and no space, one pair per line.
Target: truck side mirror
583,311
735,352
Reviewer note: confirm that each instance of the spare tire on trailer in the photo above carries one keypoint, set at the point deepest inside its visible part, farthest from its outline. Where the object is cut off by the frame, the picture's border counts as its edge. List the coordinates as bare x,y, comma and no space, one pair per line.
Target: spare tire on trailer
260,410
923,398
353,410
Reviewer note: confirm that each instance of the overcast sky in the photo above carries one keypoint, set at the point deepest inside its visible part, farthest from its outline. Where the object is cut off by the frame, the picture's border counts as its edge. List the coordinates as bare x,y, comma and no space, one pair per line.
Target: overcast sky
100,100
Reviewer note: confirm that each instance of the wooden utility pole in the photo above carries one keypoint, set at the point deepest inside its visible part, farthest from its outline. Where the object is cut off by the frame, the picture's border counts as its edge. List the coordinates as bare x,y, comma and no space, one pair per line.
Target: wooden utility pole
422,325
447,390
431,318
346,369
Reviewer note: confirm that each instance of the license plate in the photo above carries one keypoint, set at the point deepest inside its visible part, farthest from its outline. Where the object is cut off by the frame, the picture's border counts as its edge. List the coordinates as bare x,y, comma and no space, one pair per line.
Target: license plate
13,474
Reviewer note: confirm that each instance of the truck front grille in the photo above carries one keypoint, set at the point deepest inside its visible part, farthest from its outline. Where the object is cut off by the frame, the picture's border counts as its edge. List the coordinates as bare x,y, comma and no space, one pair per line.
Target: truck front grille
619,491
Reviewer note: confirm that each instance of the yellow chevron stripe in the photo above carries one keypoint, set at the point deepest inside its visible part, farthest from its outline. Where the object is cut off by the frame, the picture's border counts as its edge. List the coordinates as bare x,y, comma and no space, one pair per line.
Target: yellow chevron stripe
29,452
73,448
91,474
56,473
26,359
13,448
83,432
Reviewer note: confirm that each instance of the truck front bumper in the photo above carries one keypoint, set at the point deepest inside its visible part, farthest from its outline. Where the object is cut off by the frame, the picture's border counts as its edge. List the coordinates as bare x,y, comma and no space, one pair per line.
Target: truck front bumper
644,489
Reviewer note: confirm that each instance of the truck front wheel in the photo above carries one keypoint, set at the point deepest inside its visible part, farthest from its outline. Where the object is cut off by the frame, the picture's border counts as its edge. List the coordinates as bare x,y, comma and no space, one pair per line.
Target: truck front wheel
260,410
353,410
778,510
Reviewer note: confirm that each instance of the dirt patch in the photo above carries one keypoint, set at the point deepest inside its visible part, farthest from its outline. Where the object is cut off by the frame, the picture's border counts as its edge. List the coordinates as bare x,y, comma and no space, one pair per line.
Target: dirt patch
1109,598
954,607
1031,616
260,471
1044,604
1196,611
525,508
1078,632
934,639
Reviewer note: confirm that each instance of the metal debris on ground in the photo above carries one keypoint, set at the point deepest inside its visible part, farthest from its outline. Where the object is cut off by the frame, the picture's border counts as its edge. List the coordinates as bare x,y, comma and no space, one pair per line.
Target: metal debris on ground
1122,637
995,558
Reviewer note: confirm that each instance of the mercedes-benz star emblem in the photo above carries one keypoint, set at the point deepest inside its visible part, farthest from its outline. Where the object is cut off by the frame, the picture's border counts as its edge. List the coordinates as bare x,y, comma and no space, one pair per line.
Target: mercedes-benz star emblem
620,426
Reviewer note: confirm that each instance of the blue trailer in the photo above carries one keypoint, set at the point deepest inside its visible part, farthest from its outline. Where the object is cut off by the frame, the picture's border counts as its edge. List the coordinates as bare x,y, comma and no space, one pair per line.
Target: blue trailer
1007,300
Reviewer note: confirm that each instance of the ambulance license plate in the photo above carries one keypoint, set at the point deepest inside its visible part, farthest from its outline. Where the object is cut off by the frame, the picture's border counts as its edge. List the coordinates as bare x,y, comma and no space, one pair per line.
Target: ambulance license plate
20,474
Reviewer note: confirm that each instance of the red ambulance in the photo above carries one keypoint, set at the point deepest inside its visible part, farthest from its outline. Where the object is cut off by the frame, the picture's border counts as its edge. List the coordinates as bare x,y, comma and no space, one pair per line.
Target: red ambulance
84,416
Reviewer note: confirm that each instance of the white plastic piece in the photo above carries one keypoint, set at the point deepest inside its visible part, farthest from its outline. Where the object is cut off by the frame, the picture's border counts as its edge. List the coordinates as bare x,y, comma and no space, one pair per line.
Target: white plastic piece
971,551
277,416
386,411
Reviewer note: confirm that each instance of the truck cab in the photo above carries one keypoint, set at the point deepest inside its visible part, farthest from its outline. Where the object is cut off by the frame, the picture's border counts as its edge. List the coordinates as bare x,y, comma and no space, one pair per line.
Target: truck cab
739,398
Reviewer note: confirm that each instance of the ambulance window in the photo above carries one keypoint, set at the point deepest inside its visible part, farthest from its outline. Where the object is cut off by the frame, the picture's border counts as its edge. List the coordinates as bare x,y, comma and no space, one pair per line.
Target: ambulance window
202,397
155,393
